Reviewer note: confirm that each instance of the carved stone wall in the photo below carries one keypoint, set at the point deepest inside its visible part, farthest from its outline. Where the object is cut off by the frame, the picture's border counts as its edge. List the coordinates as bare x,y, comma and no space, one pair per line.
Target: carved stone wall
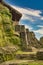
22,31
32,40
15,14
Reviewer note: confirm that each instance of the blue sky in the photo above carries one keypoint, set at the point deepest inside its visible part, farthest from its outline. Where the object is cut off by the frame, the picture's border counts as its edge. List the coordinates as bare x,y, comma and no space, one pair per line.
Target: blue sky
32,14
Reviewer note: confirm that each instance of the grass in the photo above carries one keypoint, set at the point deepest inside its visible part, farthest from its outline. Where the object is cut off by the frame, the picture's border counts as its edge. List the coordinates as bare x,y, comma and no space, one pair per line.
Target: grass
21,52
23,62
33,63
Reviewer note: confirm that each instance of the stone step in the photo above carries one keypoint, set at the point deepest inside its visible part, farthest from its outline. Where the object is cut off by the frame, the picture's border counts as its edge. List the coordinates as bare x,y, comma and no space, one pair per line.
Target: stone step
26,55
17,62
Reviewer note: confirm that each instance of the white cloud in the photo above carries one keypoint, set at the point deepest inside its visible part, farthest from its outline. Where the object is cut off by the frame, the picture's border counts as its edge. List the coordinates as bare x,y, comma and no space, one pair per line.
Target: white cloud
40,26
29,27
24,17
29,13
41,18
40,31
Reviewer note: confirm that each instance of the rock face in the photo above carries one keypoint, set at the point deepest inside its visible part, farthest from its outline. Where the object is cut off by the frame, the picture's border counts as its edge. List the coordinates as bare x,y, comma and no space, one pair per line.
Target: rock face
22,31
28,38
41,41
32,40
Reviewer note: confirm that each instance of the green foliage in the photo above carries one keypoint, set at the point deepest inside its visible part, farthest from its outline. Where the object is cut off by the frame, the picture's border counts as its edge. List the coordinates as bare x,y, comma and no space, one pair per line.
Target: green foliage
4,10
5,57
16,40
7,36
6,28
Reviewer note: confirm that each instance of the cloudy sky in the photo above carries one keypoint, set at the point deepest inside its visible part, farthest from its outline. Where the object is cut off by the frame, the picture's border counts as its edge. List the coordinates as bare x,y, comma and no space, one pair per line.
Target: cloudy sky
32,14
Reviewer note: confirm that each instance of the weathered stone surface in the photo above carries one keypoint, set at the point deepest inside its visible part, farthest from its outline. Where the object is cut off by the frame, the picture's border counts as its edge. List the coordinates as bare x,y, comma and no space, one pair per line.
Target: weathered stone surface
41,41
25,56
17,28
32,40
15,14
28,38
39,55
22,31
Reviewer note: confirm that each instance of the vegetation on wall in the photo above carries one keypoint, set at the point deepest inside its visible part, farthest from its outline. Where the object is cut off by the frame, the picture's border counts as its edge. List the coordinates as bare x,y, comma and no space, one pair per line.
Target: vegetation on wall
6,27
7,37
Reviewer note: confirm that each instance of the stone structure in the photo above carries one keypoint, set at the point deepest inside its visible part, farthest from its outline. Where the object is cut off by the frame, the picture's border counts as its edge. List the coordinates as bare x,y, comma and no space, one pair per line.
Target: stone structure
41,41
22,31
8,26
32,40
27,38
15,14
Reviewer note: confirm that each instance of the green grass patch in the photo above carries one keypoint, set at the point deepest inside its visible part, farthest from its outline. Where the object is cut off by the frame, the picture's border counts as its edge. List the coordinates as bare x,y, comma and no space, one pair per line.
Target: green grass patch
21,52
32,63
